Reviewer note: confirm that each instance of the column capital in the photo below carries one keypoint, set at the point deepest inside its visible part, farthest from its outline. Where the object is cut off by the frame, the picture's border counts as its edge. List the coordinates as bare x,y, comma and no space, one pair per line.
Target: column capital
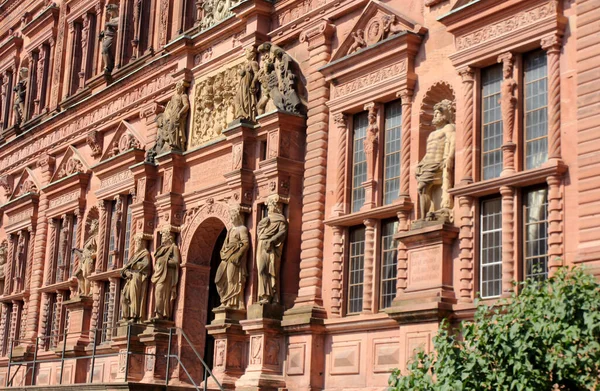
370,223
318,34
405,95
467,74
340,120
551,43
507,191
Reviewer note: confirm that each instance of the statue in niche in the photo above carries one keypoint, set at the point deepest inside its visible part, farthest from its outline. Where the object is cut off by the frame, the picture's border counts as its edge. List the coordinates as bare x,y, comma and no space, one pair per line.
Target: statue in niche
87,260
231,274
20,90
174,118
21,256
166,276
272,232
107,36
117,222
135,274
435,171
245,99
359,41
371,141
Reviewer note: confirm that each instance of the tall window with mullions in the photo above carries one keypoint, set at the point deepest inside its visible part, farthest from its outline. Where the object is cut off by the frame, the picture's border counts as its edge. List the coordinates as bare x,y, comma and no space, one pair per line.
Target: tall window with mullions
359,160
391,162
491,248
536,108
535,220
356,269
491,117
389,263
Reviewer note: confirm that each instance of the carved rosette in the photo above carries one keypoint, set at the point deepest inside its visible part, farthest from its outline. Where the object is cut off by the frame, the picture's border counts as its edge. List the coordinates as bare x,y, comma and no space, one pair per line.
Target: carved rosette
468,79
508,230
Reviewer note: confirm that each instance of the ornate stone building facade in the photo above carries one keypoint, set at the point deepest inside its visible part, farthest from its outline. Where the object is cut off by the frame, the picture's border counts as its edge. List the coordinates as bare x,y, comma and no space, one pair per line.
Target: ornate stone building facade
298,190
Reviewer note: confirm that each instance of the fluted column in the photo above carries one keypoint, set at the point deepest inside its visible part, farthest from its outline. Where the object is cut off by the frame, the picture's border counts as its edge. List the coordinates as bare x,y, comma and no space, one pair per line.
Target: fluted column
508,239
466,247
341,125
508,101
468,78
552,45
555,224
337,271
318,39
369,265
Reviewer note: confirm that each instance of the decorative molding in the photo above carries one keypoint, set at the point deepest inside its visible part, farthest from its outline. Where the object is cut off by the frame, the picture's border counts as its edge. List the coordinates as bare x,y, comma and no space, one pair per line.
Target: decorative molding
374,77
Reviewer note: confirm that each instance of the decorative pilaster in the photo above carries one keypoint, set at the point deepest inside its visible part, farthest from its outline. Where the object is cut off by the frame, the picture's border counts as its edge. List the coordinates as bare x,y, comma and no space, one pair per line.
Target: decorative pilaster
402,257
508,105
555,224
59,59
341,124
110,319
137,8
3,328
32,87
552,45
45,315
369,265
29,263
9,265
371,146
468,79
406,100
318,38
3,88
50,269
54,340
85,48
39,83
102,229
96,292
508,239
337,271
69,71
465,256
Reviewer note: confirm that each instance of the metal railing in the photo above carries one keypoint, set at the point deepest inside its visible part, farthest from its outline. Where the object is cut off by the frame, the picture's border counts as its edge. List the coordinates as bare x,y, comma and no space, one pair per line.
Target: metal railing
31,365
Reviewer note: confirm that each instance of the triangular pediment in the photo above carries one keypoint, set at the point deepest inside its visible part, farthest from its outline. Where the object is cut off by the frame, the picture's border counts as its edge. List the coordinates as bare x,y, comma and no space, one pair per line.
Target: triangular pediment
71,163
126,137
377,22
27,183
462,3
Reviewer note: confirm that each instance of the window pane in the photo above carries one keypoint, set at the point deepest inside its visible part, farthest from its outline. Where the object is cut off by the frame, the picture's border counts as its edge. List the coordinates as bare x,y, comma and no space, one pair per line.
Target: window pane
391,162
356,264
492,138
491,248
536,233
389,263
359,160
536,109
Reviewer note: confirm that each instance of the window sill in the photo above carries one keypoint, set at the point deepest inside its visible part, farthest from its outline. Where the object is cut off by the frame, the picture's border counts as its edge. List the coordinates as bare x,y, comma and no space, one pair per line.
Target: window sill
360,322
381,212
60,286
518,179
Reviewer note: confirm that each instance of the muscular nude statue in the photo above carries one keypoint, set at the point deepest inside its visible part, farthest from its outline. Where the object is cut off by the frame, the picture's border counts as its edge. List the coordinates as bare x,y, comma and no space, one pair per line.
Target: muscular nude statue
436,169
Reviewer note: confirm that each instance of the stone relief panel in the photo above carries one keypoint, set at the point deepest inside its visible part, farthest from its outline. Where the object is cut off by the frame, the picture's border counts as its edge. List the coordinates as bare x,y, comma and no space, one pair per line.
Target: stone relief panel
295,359
345,358
386,355
215,11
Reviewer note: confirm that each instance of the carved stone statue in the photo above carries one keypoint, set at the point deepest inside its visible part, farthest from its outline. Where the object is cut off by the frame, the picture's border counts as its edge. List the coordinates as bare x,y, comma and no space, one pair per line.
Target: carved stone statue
287,81
135,274
21,256
166,276
174,118
231,274
270,96
435,171
20,90
272,232
359,41
117,222
87,260
371,141
245,99
161,146
108,35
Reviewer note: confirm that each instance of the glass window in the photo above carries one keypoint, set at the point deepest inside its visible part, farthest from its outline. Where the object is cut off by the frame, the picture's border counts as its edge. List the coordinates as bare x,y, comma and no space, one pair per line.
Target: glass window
536,233
359,160
105,312
389,263
356,266
391,163
491,248
536,109
492,138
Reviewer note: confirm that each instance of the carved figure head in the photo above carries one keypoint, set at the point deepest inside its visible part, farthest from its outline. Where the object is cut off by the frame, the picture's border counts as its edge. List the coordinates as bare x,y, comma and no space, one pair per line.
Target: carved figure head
251,53
180,87
112,10
235,215
443,113
23,73
274,204
93,227
167,236
140,243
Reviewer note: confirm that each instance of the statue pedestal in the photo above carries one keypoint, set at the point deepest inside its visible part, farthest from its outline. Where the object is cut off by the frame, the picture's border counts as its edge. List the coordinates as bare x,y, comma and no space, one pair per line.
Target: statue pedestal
266,353
429,293
130,360
156,344
230,347
80,314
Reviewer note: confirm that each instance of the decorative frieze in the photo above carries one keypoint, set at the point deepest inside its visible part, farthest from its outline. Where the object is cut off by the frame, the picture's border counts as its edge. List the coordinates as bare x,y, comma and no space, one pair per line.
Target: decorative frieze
374,77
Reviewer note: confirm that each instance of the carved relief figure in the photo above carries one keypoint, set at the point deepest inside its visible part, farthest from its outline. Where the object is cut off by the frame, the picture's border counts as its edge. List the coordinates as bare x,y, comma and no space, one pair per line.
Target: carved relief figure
108,35
272,232
231,274
117,222
377,29
161,146
135,274
435,171
216,11
245,99
269,90
20,89
166,276
174,118
87,260
359,41
287,81
371,140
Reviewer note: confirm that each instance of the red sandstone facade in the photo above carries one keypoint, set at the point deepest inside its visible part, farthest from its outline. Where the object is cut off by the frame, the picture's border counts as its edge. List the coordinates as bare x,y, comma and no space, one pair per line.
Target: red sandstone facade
362,283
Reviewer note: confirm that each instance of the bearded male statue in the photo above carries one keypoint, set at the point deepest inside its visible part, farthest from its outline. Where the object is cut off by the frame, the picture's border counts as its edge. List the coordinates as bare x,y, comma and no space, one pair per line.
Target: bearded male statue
435,172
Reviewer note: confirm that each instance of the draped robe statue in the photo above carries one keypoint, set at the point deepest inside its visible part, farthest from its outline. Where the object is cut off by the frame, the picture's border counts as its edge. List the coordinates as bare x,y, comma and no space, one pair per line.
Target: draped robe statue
87,260
165,277
245,99
136,273
108,36
272,232
231,274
